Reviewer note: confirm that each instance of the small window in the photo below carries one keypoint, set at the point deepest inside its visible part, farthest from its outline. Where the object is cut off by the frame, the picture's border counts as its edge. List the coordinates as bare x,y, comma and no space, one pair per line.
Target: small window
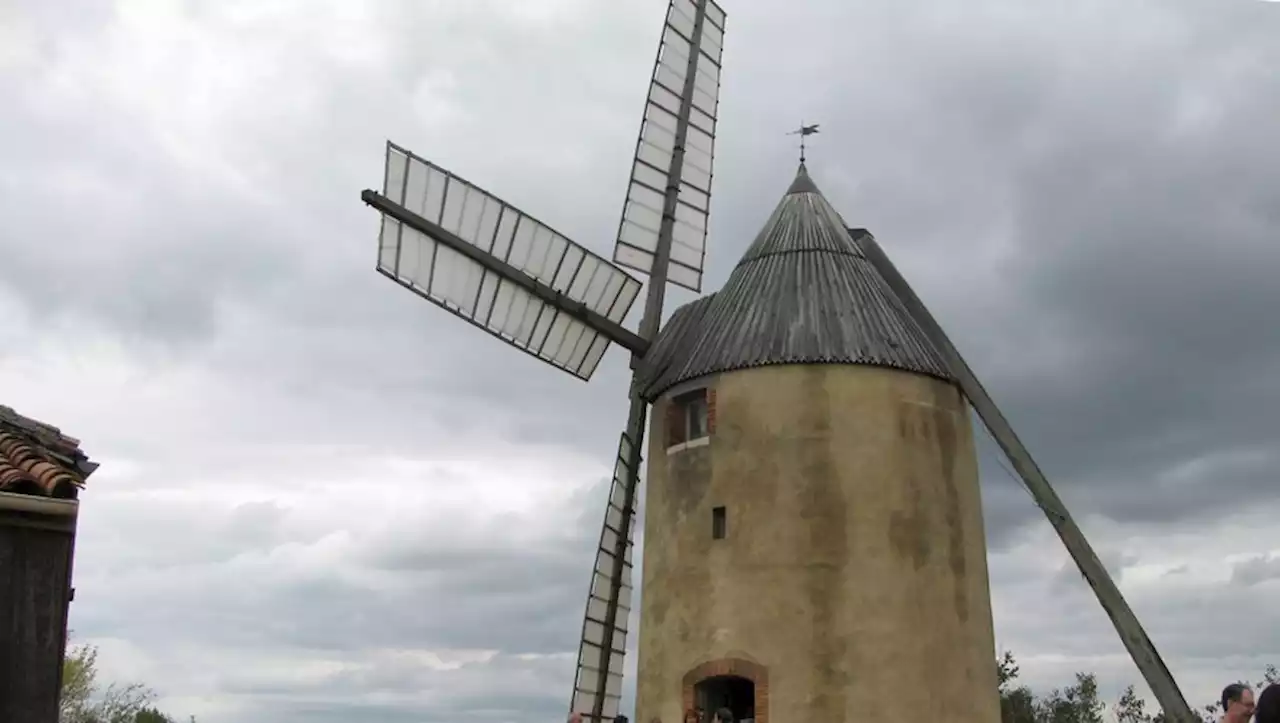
687,418
719,526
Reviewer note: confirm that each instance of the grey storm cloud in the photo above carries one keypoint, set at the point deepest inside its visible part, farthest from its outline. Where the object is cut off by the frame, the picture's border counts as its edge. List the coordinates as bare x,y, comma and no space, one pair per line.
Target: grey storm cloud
1255,570
1088,197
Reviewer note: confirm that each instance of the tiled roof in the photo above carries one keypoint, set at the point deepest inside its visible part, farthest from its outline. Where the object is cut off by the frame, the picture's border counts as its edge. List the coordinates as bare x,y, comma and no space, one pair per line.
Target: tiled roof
803,293
37,459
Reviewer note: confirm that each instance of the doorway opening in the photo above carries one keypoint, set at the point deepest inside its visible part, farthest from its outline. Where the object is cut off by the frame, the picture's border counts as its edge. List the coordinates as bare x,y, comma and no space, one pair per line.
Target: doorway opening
736,693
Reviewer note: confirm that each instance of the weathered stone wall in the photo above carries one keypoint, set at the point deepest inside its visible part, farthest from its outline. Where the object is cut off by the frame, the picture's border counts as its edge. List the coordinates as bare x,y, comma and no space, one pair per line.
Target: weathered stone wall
852,582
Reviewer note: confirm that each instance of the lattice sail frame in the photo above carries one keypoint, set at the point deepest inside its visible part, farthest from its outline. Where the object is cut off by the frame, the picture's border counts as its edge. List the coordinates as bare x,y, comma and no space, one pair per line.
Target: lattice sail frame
467,289
590,651
651,171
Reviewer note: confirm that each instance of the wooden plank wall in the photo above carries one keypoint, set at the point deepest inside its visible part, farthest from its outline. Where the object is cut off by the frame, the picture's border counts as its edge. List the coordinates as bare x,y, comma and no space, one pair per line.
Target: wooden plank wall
35,578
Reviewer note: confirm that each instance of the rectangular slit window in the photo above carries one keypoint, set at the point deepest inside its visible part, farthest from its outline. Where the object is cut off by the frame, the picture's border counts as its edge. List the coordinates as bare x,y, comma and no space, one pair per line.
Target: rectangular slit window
719,526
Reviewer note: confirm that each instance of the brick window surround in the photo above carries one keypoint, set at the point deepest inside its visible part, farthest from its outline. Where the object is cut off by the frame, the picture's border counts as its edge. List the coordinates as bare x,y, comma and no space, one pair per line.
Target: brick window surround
738,667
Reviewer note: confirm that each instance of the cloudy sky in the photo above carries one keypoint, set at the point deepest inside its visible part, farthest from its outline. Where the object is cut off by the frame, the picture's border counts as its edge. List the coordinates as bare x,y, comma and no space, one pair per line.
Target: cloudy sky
322,499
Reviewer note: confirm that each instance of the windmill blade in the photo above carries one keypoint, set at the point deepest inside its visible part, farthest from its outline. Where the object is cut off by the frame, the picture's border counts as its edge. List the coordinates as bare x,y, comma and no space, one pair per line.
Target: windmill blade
1131,632
607,593
670,189
485,261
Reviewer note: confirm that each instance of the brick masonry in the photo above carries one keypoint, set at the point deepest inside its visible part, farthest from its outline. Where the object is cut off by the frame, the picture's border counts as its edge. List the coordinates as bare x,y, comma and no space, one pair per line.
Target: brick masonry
711,410
738,667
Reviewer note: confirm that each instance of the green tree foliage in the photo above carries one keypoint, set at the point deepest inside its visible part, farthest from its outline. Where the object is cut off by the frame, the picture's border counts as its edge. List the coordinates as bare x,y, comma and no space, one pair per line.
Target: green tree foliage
1075,704
1017,703
84,700
1079,703
79,671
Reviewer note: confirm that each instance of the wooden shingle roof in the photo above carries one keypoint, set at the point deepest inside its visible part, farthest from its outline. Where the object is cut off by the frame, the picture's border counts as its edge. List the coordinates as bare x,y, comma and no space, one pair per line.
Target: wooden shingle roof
803,293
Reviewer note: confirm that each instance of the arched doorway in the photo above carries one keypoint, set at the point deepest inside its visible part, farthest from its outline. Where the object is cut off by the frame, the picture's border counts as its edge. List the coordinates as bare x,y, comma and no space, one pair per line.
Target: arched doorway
738,684
734,692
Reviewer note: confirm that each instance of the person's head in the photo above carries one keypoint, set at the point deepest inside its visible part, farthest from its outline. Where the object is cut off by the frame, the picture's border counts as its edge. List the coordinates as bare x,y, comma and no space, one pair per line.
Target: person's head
691,716
1237,701
1268,708
724,715
575,718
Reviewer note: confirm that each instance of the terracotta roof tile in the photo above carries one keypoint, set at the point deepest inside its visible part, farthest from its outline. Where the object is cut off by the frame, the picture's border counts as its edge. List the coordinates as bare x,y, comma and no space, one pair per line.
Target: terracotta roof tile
37,459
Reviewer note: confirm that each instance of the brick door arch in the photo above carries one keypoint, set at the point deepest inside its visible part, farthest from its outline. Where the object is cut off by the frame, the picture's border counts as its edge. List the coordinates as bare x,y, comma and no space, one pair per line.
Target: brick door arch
738,667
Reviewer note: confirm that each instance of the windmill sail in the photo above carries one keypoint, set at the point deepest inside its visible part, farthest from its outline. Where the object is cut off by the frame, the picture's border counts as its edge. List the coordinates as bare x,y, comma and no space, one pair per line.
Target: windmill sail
586,686
485,261
662,233
673,162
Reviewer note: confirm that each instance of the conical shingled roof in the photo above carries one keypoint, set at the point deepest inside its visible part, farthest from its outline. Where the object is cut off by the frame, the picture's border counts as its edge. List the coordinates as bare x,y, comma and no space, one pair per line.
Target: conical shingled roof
803,293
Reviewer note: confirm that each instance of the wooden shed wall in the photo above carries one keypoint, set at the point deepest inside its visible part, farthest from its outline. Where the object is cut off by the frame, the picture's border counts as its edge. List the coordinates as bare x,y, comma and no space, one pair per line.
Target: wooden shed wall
35,577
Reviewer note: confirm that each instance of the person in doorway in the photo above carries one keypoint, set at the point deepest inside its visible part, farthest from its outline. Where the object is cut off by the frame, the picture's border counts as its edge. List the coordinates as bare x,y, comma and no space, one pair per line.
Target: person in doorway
1237,703
724,715
1268,708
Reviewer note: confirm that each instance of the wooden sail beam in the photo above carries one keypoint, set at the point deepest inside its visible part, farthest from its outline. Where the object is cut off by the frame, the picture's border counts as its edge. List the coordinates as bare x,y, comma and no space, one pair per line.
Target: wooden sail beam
615,332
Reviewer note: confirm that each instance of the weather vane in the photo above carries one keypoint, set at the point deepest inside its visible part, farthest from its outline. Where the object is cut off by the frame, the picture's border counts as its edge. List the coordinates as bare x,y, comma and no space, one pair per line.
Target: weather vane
802,132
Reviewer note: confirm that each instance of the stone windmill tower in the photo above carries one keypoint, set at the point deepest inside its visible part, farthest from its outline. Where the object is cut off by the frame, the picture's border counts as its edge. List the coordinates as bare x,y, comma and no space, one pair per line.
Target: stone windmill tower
813,519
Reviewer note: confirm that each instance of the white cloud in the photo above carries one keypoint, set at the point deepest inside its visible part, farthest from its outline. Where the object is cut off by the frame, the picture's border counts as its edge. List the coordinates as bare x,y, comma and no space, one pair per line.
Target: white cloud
321,499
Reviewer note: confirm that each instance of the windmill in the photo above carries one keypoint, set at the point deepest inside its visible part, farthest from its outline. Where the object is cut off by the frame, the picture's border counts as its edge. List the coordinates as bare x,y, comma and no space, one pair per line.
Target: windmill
464,249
